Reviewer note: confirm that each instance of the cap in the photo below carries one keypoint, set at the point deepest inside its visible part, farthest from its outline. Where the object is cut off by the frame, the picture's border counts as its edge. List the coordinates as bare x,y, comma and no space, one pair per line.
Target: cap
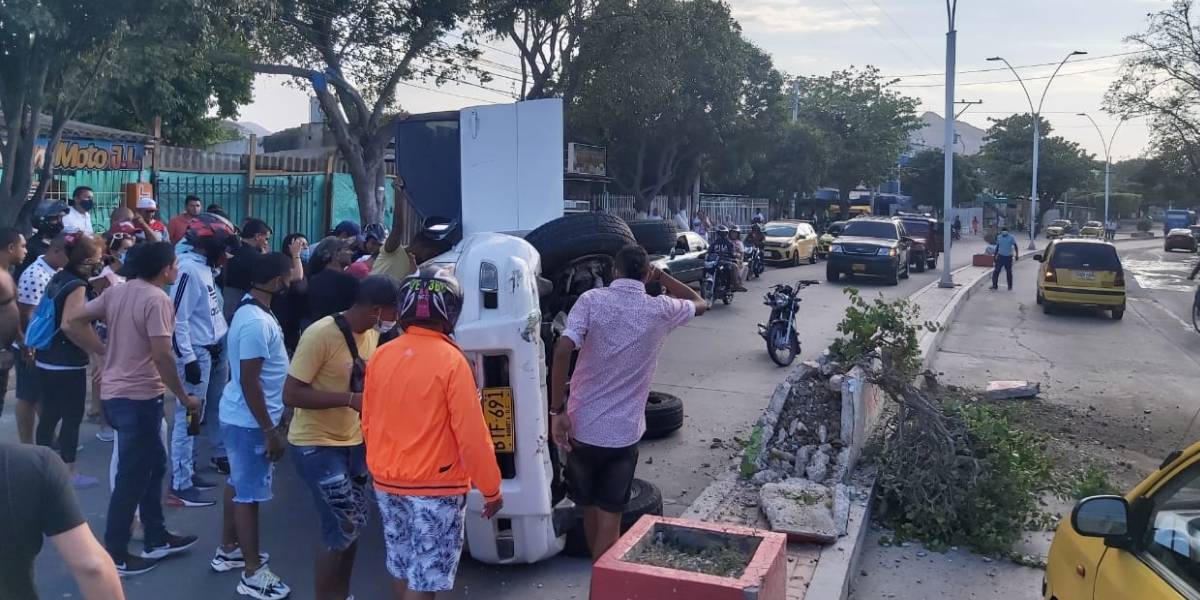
146,203
347,228
123,227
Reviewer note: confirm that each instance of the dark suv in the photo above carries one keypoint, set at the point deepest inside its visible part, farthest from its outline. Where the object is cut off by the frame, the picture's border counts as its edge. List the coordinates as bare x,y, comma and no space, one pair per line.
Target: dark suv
926,233
876,246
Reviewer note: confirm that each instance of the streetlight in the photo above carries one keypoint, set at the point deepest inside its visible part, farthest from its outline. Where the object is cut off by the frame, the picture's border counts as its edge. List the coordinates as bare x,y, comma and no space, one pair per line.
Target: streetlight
947,281
1037,133
1107,156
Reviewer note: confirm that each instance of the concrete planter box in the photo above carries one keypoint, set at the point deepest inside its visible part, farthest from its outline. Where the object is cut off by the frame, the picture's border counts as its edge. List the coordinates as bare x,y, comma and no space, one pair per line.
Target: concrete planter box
983,260
614,577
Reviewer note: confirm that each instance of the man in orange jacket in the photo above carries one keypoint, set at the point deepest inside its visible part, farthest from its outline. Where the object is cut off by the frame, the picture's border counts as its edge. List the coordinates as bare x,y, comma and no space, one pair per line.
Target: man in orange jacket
426,440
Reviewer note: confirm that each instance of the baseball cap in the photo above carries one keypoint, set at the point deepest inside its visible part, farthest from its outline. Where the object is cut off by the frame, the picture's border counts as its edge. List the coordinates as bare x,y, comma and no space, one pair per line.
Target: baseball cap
146,203
348,228
123,227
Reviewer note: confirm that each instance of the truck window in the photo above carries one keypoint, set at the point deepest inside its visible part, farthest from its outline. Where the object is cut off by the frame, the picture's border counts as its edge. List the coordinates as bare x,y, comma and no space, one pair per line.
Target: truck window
876,229
917,227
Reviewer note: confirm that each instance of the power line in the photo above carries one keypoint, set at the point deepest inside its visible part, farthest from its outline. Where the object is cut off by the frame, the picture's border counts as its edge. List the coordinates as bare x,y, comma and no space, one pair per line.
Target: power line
919,48
938,85
439,91
1051,64
878,32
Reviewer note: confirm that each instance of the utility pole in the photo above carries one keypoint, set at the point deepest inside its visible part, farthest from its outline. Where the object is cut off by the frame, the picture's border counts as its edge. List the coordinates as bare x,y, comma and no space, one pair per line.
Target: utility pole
795,100
947,280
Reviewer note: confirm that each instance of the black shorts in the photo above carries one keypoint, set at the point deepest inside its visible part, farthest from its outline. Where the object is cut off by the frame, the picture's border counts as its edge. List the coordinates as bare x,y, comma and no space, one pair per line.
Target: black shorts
28,386
600,477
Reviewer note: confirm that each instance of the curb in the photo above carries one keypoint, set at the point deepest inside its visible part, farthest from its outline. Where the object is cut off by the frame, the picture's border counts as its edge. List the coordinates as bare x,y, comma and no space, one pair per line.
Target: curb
835,568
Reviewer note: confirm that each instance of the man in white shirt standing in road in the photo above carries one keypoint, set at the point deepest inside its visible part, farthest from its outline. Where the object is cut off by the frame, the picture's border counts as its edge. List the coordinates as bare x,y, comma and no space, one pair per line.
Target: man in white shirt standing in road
79,218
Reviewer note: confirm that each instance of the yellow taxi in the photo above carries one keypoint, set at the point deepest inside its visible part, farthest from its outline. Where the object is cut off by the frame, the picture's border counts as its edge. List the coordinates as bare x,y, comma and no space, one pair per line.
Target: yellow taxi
1092,229
1141,546
789,241
1081,272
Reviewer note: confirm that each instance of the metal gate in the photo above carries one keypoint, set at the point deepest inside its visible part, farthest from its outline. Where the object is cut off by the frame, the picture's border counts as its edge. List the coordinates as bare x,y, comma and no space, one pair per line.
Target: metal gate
288,203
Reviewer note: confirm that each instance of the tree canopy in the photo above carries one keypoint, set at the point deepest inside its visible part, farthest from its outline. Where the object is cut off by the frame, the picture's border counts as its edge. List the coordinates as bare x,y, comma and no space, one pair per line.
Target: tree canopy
923,178
1007,158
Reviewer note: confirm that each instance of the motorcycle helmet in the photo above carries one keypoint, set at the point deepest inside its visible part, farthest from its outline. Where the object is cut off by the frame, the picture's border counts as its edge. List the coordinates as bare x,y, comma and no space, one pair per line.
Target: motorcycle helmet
755,227
722,231
430,298
212,236
47,217
735,230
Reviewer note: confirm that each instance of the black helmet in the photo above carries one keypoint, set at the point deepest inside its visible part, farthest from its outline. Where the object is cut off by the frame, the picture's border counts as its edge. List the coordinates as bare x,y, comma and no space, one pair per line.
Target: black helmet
722,231
50,208
735,229
212,235
431,298
755,226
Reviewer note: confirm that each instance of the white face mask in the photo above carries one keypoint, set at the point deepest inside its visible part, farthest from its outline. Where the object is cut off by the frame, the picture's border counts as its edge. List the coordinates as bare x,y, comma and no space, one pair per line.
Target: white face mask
385,326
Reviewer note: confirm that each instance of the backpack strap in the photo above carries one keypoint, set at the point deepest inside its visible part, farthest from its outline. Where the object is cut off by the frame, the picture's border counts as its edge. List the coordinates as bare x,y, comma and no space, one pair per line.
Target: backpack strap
344,326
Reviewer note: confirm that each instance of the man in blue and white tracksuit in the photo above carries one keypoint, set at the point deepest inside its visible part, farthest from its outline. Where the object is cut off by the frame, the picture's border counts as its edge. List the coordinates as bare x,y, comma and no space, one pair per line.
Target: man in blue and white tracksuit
199,326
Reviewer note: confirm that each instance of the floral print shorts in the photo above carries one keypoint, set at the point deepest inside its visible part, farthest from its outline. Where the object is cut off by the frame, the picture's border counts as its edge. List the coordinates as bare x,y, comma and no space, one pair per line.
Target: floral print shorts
424,538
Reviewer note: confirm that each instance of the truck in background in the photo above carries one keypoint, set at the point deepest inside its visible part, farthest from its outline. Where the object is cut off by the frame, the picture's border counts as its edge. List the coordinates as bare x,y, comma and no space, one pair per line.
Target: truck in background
1178,218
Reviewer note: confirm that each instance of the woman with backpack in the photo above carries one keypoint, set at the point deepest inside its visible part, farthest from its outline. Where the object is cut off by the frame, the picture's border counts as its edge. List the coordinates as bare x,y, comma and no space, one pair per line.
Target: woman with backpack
62,352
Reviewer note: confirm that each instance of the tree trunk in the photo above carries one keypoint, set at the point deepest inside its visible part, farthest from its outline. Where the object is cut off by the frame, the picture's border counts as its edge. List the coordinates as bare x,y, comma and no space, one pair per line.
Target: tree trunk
369,188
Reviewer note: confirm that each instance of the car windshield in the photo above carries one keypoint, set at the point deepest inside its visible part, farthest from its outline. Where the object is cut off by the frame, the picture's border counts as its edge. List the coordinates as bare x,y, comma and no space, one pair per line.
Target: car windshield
1093,224
876,229
917,227
779,230
1085,256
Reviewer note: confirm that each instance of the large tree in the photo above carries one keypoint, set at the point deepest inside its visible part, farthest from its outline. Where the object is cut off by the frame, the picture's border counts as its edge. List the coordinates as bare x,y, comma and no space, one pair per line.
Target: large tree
663,84
865,124
1161,80
53,50
1007,158
176,67
546,35
923,178
353,54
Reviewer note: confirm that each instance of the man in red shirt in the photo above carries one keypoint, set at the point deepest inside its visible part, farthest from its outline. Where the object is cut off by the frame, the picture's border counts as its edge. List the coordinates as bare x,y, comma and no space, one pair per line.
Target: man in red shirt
178,224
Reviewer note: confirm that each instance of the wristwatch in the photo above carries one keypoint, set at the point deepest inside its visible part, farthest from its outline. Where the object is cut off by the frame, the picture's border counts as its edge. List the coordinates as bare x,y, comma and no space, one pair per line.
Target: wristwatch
558,412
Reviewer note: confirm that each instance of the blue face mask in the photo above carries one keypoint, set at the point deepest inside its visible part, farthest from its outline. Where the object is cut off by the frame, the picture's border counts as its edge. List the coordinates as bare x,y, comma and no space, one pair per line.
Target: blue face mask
306,254
120,256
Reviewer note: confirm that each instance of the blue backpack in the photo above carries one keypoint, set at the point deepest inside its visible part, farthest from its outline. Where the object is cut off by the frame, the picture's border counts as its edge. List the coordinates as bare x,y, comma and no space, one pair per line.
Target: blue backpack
44,324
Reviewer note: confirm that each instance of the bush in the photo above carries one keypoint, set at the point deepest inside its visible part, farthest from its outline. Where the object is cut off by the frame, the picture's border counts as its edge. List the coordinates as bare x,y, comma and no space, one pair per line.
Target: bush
979,490
1145,225
880,328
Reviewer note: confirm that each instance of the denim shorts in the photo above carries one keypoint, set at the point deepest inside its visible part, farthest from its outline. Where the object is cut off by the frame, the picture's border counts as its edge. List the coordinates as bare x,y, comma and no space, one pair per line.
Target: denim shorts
249,470
337,477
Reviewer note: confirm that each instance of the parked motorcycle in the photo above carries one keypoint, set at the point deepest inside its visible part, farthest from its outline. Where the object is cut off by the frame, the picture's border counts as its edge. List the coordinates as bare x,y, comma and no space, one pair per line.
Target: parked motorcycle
718,281
754,260
783,343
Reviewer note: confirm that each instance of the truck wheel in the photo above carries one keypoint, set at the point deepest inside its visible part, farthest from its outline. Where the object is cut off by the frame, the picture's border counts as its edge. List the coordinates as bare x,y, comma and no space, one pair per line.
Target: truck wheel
920,263
830,274
655,235
644,499
573,236
664,414
932,263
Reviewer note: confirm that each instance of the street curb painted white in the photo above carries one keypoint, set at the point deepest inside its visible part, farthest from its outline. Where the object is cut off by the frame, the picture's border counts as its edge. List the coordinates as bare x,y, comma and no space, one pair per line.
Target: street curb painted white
835,567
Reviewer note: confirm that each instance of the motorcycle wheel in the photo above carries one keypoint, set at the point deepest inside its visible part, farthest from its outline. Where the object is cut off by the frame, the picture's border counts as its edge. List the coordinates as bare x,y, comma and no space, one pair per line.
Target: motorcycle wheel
782,351
707,292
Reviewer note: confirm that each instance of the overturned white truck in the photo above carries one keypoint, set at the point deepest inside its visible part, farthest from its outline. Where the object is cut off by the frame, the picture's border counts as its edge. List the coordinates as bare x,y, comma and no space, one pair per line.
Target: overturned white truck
498,170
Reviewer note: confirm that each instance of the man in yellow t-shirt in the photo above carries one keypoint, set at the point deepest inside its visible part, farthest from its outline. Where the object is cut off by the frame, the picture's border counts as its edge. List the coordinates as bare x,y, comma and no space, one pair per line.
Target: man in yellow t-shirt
398,261
324,385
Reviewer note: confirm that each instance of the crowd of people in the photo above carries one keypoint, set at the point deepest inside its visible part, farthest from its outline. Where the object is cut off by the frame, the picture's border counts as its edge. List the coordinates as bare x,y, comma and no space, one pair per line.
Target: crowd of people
193,332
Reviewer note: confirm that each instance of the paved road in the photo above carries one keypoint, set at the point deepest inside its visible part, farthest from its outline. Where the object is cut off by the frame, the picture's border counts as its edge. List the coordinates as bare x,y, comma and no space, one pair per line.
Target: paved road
718,365
1118,391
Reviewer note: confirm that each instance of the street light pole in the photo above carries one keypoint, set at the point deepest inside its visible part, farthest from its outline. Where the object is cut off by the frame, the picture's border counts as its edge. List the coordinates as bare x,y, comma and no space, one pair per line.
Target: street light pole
1107,146
1037,134
947,280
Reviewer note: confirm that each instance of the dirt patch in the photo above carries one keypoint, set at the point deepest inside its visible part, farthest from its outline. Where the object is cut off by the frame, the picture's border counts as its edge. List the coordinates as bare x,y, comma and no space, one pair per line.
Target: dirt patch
716,558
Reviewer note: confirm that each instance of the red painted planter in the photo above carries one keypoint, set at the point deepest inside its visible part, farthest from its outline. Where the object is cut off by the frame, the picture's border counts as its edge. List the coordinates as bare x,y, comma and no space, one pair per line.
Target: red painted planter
983,260
765,577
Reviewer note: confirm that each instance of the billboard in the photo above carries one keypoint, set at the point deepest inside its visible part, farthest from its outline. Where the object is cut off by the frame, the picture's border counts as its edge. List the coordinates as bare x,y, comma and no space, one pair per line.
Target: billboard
91,154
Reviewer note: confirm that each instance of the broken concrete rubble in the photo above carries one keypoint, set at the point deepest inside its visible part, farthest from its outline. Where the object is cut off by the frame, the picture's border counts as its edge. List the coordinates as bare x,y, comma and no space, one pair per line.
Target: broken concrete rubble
1009,390
801,509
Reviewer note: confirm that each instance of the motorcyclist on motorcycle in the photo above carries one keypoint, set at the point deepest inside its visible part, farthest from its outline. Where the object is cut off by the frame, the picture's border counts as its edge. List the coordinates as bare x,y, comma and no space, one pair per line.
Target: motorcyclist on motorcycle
722,249
756,237
735,236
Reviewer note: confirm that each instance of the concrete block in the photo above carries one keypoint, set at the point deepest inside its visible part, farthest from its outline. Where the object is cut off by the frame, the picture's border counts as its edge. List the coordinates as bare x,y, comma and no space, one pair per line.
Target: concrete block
800,508
1007,390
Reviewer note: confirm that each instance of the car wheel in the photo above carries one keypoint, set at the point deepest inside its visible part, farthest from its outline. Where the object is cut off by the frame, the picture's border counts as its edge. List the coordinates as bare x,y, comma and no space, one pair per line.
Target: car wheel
796,258
664,415
655,235
644,499
907,268
894,278
1118,313
812,257
932,263
1040,299
573,236
831,275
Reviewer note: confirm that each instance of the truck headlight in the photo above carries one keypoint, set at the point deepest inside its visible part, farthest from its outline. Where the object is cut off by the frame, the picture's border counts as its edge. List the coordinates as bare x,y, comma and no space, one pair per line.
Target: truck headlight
887,252
836,249
489,277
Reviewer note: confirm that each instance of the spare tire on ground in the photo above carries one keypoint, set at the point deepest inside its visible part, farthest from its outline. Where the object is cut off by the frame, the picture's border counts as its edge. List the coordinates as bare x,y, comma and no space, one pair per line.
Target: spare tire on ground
573,236
664,414
644,499
655,235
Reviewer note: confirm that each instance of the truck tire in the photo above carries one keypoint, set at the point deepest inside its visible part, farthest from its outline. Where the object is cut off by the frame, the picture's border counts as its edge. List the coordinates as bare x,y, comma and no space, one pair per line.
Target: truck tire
655,235
664,415
572,236
920,262
644,499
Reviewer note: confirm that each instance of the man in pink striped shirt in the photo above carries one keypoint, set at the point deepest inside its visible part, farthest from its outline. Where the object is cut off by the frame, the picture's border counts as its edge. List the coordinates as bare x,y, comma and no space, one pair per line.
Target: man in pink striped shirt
619,331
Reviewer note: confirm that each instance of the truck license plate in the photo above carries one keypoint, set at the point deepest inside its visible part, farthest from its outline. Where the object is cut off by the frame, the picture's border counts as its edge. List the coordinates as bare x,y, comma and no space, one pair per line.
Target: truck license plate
859,267
498,414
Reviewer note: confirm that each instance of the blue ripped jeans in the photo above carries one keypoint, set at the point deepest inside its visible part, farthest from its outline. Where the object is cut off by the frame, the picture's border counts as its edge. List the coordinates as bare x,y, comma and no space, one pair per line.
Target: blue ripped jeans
339,481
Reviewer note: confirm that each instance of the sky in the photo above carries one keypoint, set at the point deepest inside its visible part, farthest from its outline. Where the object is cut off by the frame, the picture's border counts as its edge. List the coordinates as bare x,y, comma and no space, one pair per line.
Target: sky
903,38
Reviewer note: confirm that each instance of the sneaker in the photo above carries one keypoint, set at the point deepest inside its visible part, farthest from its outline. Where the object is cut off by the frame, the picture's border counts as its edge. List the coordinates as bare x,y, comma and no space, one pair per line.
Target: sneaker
106,434
202,484
81,482
190,498
172,545
221,464
228,560
263,585
133,565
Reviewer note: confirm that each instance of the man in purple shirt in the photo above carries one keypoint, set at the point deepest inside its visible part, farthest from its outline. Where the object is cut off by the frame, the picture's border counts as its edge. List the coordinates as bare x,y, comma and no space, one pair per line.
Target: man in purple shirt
619,331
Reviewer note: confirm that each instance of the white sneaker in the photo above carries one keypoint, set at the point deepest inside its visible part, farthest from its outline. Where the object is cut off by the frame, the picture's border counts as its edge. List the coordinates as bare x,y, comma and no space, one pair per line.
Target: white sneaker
106,434
228,560
263,585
